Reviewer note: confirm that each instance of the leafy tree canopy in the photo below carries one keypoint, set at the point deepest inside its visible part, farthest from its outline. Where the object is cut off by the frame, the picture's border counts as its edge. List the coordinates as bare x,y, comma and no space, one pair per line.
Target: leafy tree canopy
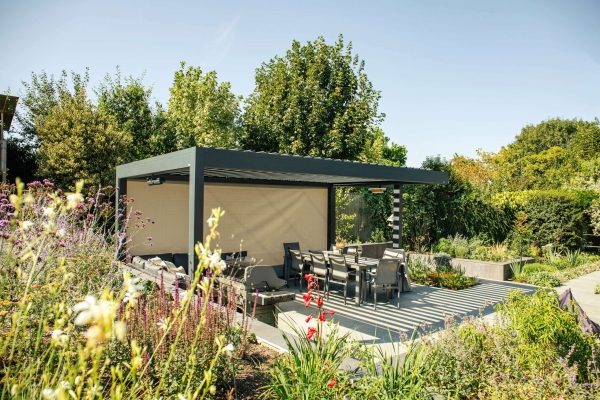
544,156
378,150
78,141
202,111
129,102
316,100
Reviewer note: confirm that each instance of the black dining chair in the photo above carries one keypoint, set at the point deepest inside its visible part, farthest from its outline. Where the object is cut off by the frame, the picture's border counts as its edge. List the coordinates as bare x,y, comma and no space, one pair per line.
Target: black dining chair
287,260
340,272
296,265
385,277
320,271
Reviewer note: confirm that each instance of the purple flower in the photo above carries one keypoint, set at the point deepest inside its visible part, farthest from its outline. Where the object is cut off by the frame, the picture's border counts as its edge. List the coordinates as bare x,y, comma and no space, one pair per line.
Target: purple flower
149,238
90,216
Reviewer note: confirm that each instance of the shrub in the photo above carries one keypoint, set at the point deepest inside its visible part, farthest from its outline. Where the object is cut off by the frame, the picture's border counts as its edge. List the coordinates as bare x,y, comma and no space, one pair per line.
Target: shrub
432,273
536,267
597,289
574,273
543,278
534,349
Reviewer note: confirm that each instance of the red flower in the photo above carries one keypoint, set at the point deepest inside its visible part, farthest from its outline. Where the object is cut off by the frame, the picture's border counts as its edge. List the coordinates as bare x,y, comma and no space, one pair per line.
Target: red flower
320,302
330,312
307,299
308,277
311,333
331,383
322,317
309,318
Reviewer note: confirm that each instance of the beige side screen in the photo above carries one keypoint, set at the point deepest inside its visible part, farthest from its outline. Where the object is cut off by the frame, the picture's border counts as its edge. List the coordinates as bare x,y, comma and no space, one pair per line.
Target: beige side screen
265,217
167,205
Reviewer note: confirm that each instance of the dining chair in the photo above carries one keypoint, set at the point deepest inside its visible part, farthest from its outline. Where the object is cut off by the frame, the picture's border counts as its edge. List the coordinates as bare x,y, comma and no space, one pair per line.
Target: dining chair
340,272
296,265
320,271
400,255
287,260
385,277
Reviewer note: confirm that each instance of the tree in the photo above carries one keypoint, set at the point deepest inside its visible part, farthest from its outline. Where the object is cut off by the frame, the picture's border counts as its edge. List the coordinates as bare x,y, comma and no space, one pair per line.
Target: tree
316,100
78,141
544,156
202,111
377,150
129,102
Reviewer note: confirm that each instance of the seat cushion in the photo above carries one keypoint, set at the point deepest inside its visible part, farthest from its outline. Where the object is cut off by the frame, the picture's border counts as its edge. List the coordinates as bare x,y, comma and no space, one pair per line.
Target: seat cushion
165,256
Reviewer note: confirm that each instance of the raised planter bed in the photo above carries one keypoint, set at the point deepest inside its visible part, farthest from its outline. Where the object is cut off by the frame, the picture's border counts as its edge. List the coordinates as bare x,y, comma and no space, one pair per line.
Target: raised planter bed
498,271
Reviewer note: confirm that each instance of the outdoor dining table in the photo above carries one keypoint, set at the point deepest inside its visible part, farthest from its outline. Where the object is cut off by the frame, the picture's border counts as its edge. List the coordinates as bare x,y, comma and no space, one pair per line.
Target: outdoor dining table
363,264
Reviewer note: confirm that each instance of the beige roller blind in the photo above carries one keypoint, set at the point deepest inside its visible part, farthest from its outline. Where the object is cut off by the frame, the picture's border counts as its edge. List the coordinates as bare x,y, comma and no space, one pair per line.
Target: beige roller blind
262,217
167,205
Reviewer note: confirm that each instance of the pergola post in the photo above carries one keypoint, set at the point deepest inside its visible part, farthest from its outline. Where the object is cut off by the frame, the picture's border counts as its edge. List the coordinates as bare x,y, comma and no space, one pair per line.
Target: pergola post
397,232
330,216
196,208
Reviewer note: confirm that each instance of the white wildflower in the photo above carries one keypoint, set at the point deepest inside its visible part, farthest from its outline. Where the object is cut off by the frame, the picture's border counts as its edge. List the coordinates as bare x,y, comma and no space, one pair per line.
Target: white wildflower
120,330
229,349
162,324
49,393
29,199
27,225
92,310
61,232
78,380
59,337
212,390
65,385
73,199
49,211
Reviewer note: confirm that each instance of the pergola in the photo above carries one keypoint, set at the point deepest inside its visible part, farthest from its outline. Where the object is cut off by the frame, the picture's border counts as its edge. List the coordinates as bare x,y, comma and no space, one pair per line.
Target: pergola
199,166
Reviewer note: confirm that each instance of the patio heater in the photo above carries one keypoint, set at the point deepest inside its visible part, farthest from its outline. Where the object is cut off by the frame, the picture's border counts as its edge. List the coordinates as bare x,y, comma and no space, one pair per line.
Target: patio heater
8,104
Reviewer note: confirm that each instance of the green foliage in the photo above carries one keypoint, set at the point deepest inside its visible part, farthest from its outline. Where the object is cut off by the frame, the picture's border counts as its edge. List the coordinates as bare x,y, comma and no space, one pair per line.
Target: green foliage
129,102
574,273
377,236
78,141
202,111
537,267
474,248
597,289
533,349
556,218
594,213
379,206
305,372
438,272
432,212
545,156
316,101
377,150
21,161
544,279
344,224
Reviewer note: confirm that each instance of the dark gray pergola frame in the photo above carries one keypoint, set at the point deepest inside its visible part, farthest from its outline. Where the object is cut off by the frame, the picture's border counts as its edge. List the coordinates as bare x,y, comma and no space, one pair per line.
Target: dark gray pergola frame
198,165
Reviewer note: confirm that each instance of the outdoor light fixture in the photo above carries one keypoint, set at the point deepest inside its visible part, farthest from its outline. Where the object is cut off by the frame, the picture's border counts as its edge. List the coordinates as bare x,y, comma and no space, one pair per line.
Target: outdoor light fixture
151,180
377,190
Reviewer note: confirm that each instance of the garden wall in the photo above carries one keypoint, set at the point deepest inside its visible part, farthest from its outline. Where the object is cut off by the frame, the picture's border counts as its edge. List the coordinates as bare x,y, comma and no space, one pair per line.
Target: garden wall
498,271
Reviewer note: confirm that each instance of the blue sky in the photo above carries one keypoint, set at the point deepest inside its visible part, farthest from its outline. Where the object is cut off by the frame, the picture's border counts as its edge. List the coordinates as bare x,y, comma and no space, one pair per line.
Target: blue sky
455,76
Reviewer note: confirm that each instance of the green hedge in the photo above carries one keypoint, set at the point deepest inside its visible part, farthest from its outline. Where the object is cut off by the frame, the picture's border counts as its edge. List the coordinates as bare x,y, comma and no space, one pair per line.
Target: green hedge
555,216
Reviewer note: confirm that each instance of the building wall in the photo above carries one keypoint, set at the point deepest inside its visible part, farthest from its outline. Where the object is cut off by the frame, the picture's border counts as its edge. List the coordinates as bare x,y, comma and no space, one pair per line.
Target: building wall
263,217
258,218
167,205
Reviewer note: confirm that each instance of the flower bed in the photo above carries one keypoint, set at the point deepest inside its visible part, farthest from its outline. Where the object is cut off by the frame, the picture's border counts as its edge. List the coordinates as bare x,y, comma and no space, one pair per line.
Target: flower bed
499,271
